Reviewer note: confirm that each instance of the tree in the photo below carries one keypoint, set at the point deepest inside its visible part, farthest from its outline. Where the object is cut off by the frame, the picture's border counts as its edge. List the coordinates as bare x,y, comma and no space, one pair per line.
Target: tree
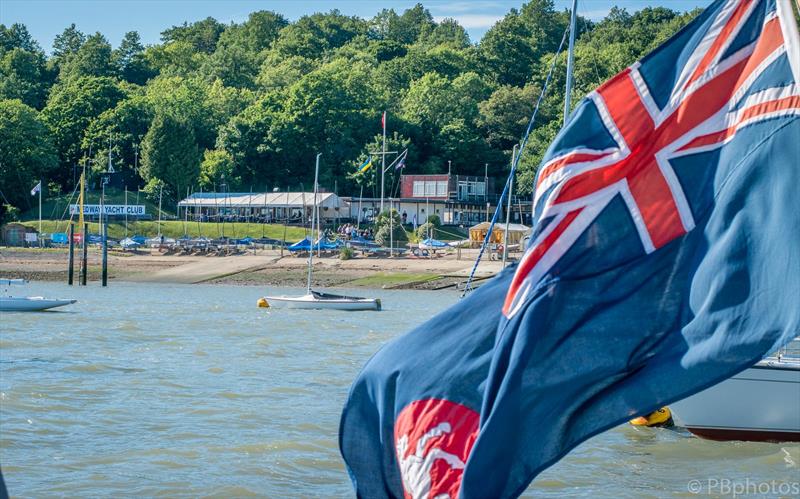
27,154
93,58
202,36
217,165
70,109
17,36
448,32
312,36
414,23
257,140
122,128
129,60
170,154
68,42
206,106
505,51
389,228
176,58
283,73
24,76
505,114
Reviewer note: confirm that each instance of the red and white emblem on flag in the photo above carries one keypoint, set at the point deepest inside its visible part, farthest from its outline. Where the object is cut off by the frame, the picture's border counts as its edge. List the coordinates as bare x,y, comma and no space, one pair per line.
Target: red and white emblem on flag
433,438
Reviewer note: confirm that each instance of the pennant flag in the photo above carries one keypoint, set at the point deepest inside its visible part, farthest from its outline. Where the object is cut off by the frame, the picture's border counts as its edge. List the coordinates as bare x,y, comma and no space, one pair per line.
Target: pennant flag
664,260
366,165
37,188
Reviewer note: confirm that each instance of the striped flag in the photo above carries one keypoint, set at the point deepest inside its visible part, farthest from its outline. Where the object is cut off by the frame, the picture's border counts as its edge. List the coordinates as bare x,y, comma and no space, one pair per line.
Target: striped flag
366,165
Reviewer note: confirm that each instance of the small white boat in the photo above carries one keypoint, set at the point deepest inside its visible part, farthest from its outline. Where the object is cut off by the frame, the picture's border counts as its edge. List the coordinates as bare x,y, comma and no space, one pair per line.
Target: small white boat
30,303
314,299
761,403
317,300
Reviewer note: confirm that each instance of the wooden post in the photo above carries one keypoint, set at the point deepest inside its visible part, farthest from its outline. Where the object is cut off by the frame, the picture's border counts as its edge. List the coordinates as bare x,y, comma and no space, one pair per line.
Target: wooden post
70,269
105,255
84,257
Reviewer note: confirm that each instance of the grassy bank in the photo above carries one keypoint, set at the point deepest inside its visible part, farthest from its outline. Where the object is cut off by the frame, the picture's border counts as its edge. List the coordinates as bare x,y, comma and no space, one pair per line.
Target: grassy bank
174,228
386,279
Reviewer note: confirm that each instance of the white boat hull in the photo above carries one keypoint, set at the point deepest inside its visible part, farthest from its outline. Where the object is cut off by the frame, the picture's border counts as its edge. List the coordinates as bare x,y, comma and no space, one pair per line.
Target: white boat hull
759,404
312,302
30,304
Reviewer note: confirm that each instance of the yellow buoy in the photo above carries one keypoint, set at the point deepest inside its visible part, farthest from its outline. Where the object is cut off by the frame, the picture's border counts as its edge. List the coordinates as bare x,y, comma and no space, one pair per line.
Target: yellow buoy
262,303
660,417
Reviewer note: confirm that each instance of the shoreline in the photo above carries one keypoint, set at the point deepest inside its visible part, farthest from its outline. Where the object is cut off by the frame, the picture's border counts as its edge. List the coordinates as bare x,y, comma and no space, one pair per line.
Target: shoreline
259,268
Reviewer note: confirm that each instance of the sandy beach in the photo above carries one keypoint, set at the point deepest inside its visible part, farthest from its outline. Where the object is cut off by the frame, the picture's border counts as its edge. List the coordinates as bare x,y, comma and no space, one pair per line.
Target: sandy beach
262,267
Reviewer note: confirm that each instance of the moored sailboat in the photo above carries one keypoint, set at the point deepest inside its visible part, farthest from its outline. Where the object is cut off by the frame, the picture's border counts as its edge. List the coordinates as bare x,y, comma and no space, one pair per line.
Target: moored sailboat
315,299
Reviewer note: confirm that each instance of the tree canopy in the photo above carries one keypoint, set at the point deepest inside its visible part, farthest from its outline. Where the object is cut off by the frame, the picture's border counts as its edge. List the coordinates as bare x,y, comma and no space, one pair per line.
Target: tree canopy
250,104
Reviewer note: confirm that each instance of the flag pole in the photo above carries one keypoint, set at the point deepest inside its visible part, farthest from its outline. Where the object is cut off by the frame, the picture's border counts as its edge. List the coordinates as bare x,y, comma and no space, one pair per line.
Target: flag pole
508,209
40,212
570,58
383,159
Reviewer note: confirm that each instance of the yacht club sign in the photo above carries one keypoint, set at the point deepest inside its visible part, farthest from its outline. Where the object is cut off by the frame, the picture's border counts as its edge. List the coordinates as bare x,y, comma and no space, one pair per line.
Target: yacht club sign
132,210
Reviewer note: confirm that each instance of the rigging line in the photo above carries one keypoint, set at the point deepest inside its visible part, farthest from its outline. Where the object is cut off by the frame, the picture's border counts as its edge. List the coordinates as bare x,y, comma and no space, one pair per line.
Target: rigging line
514,163
67,207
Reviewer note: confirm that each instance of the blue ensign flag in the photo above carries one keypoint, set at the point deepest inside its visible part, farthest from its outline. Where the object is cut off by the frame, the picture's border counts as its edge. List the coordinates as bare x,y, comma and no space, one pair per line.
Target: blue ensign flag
665,258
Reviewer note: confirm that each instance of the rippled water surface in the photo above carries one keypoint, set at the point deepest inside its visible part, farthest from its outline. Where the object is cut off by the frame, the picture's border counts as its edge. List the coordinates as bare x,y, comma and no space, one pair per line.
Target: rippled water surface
187,391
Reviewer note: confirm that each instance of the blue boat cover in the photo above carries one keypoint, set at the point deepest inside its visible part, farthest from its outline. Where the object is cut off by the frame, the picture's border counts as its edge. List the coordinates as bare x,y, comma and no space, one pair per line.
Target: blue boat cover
433,243
59,237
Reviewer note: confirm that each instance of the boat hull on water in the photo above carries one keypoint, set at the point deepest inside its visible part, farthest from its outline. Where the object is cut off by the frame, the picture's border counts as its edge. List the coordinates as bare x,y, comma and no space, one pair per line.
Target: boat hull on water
324,301
31,304
761,403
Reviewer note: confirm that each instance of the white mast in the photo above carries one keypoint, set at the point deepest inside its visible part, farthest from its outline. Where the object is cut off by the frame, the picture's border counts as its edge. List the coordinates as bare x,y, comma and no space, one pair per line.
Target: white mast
313,213
383,158
570,57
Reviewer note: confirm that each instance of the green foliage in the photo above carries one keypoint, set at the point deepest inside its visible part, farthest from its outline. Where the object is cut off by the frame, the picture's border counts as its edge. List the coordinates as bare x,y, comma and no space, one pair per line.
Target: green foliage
70,109
93,58
425,231
8,214
170,154
24,76
389,227
179,228
17,36
201,36
262,97
346,253
217,166
122,128
129,60
26,151
312,36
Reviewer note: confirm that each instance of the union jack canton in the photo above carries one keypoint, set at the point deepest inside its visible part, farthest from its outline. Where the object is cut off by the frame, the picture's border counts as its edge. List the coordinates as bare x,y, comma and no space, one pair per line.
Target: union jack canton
691,95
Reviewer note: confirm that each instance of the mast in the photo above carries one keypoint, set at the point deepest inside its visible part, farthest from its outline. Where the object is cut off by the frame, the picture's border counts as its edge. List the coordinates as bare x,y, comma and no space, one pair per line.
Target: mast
383,159
570,58
508,209
313,213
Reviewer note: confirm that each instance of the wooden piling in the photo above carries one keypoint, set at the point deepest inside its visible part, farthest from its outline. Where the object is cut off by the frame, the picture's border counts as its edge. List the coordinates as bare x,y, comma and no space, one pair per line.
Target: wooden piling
85,256
105,254
71,269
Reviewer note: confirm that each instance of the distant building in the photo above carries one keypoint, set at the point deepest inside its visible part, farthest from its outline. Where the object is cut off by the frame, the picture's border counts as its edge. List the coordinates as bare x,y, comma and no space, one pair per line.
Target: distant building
17,234
456,199
262,207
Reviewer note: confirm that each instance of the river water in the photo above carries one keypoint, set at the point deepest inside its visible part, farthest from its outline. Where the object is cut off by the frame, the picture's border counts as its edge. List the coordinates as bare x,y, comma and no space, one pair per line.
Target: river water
191,391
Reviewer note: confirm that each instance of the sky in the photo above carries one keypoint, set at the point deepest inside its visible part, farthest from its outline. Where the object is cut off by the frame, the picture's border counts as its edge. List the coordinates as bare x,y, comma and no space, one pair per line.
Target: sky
113,18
